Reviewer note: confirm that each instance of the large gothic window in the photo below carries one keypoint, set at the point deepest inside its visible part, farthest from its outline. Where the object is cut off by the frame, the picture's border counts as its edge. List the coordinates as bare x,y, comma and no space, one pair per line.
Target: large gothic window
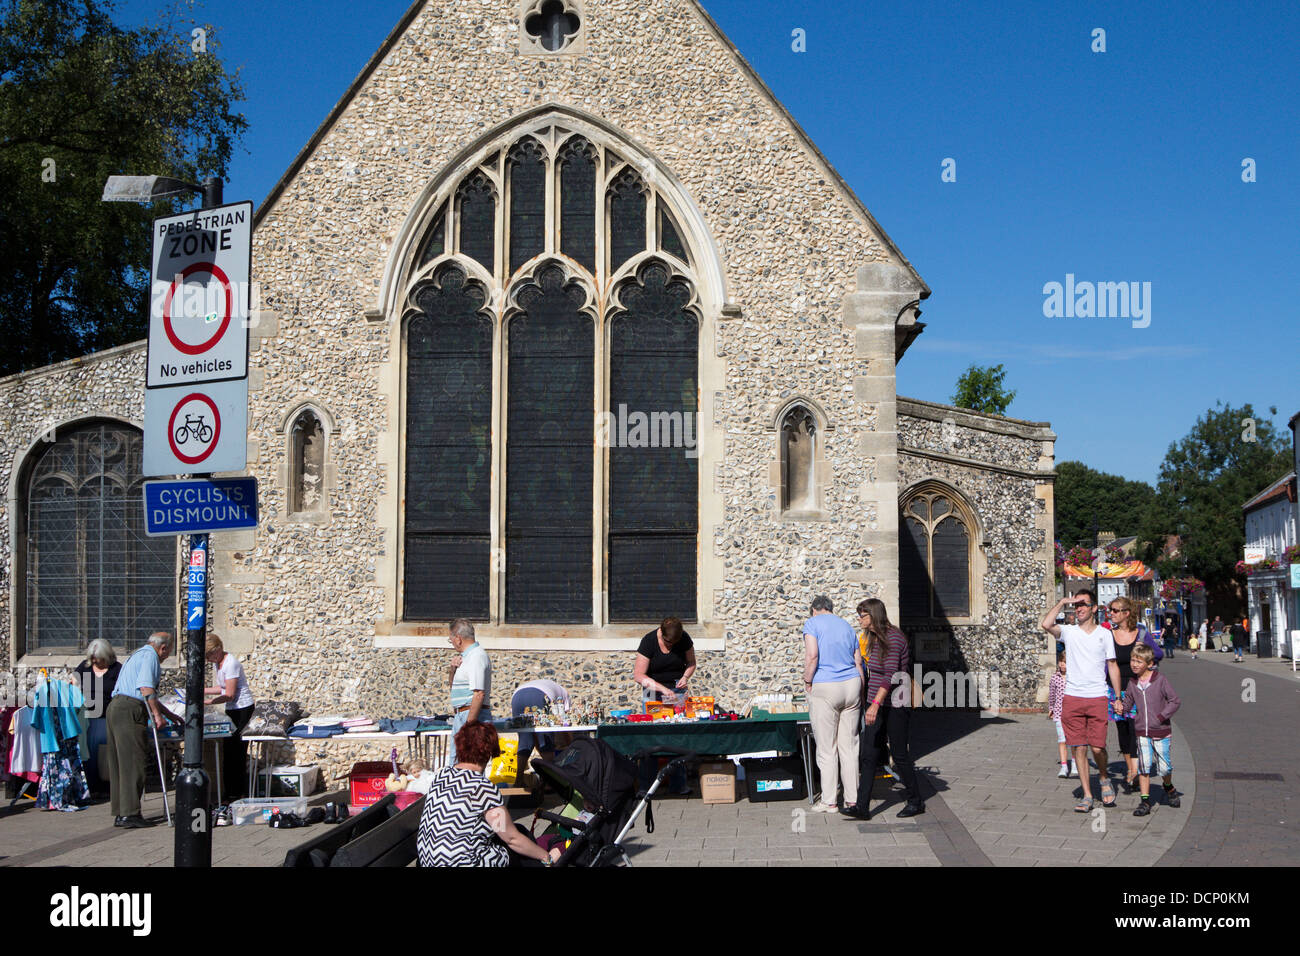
90,570
550,464
935,541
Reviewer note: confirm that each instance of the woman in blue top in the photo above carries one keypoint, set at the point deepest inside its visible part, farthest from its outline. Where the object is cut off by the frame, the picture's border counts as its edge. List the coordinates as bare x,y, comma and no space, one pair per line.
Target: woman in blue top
832,675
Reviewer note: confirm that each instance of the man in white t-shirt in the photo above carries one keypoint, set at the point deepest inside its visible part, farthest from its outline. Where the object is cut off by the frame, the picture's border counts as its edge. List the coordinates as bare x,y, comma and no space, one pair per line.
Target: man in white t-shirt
1089,662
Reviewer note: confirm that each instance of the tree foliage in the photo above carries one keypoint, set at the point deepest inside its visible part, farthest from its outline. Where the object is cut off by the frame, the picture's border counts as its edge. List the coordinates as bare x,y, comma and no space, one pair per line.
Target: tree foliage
82,99
1119,505
1205,479
980,388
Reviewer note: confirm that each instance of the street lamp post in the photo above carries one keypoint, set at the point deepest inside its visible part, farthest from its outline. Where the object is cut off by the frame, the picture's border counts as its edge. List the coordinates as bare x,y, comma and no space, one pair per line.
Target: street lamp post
193,845
1096,558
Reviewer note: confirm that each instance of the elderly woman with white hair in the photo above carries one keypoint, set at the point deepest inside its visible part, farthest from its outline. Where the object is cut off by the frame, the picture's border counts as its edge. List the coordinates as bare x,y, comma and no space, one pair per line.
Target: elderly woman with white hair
97,676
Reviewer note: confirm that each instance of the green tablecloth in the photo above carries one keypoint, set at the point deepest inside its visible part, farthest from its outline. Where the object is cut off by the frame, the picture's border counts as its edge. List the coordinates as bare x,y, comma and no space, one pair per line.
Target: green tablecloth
705,736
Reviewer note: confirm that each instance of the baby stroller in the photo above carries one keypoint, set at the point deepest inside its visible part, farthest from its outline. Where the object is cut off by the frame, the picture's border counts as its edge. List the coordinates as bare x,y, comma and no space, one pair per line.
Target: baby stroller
592,776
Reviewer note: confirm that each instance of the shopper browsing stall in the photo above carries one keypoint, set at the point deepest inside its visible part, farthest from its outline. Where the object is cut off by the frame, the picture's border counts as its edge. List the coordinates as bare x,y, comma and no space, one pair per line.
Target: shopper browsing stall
97,677
134,705
470,680
232,690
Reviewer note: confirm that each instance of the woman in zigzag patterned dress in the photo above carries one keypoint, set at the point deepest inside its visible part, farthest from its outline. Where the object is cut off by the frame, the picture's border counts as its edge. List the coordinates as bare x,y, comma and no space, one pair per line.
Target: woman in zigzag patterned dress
464,822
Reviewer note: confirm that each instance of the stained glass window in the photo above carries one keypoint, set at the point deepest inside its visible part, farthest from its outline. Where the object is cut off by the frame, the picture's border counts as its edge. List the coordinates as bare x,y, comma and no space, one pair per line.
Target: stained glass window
448,449
91,571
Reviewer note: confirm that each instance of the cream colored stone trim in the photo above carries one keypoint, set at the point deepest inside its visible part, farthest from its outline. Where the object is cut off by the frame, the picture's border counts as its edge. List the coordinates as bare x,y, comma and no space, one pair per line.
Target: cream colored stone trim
551,127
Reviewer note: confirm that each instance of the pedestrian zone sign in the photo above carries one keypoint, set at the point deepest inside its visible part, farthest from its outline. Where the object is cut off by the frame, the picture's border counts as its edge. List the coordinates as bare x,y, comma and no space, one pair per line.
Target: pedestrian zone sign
199,303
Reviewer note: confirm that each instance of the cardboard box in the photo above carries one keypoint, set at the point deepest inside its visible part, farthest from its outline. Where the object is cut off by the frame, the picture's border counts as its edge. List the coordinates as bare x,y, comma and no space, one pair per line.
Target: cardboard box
718,782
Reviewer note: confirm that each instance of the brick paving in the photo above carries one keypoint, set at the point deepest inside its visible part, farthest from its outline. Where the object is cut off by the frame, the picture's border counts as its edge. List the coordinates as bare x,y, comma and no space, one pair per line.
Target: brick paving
992,799
1238,822
997,776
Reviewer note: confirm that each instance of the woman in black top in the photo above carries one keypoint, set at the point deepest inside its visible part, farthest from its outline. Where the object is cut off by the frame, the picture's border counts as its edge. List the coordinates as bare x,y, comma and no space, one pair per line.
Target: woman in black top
97,677
665,661
1126,632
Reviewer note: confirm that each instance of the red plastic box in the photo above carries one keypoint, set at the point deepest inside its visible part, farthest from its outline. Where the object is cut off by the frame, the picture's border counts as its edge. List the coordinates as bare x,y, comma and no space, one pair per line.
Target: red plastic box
366,781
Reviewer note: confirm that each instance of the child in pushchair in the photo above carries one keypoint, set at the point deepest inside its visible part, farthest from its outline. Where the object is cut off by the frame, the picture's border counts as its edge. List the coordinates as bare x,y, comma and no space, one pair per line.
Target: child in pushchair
598,786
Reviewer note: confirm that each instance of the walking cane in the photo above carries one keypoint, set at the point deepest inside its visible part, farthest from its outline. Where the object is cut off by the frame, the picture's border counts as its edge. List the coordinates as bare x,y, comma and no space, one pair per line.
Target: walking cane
162,775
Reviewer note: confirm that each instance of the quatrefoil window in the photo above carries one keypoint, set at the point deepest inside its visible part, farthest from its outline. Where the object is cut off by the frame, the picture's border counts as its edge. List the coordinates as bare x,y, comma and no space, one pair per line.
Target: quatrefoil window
552,25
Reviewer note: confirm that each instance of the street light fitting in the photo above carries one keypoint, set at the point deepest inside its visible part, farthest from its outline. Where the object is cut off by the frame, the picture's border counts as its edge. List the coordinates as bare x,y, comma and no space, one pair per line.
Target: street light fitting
145,188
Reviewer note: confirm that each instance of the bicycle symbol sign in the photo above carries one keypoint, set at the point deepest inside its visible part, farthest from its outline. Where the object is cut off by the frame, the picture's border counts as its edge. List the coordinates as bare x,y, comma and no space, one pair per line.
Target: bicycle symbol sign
194,428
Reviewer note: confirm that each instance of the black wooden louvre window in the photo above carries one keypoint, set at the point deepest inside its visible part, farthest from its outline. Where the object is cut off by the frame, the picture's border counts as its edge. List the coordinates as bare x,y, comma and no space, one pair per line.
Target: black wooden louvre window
448,450
91,571
652,461
549,454
934,560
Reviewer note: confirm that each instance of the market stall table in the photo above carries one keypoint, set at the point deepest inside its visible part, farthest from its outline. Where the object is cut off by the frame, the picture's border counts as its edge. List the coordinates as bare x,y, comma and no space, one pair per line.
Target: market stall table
171,738
788,733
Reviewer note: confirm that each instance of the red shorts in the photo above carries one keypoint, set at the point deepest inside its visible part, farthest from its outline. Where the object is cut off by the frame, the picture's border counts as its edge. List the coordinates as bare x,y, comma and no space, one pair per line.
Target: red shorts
1084,721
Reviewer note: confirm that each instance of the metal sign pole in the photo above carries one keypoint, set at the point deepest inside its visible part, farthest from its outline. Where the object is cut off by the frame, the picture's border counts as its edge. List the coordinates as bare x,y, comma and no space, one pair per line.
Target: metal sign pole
193,829
193,821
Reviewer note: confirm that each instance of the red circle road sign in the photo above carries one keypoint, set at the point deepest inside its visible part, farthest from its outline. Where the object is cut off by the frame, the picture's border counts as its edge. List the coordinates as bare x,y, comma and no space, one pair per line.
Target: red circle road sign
216,273
190,428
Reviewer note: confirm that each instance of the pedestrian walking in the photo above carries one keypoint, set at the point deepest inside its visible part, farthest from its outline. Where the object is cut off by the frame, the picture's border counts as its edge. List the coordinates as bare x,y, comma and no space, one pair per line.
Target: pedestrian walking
1169,637
1127,634
1156,704
1055,698
1240,640
1217,630
1090,662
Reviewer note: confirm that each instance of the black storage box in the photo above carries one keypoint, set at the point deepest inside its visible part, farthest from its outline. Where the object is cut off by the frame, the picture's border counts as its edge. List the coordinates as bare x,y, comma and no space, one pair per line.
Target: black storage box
774,778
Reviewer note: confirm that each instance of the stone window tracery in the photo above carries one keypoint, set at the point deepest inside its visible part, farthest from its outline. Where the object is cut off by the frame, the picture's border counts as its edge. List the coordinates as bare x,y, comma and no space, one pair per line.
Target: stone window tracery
88,569
937,540
551,26
591,315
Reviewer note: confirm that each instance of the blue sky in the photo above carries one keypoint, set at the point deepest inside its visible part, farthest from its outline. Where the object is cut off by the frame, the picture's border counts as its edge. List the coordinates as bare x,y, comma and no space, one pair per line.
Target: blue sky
1122,166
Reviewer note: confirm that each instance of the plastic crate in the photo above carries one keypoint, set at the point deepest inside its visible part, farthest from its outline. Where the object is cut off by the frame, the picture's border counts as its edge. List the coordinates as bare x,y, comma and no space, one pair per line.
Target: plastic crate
261,809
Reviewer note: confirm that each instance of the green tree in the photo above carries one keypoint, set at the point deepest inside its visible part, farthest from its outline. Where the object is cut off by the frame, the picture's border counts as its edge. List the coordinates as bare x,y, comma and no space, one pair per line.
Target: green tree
80,100
980,388
1204,480
1119,505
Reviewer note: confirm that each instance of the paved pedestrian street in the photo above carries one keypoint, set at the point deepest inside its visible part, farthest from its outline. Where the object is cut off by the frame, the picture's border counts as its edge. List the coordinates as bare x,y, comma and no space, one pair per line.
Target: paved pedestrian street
993,799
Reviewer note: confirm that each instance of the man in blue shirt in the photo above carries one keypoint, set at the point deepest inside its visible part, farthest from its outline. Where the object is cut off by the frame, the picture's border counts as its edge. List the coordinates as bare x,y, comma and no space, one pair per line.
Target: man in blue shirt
134,704
470,679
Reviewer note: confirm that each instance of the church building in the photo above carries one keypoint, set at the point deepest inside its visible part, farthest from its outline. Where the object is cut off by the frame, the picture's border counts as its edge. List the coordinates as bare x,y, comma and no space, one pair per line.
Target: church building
564,326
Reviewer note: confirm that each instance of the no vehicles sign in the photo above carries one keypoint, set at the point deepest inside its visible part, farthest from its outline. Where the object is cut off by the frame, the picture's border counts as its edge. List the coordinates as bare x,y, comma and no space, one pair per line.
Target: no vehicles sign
198,312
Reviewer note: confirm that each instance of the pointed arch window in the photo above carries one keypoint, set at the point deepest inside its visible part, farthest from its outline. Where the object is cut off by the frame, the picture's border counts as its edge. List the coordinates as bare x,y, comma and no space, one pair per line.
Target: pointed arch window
798,457
89,570
521,505
306,463
935,556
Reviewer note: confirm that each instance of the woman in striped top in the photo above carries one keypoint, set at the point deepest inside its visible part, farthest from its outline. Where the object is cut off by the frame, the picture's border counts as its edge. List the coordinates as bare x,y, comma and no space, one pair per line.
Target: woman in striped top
889,708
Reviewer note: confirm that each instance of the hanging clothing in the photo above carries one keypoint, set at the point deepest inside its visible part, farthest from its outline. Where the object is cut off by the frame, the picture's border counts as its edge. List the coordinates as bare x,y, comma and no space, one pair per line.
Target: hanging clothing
63,781
6,717
58,714
25,749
